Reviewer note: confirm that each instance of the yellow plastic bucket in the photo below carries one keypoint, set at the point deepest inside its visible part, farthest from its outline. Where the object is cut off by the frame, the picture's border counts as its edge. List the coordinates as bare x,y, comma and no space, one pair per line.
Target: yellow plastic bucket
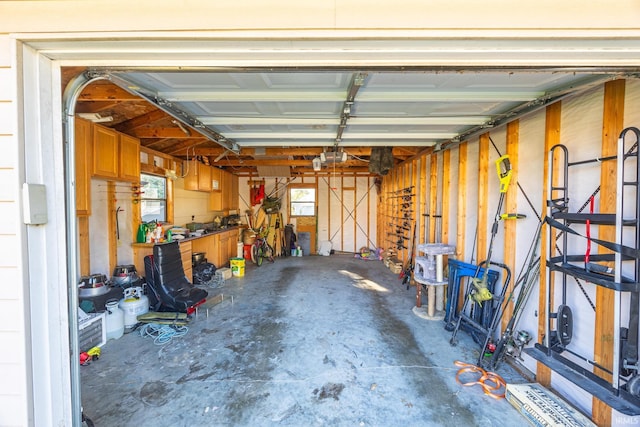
237,267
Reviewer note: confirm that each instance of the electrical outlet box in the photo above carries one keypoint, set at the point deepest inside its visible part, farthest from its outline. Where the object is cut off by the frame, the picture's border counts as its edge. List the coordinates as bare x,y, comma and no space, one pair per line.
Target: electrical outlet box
34,204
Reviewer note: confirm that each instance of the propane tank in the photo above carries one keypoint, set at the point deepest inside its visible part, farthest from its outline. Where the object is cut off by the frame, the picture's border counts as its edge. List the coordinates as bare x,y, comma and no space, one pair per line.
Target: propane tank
114,320
133,305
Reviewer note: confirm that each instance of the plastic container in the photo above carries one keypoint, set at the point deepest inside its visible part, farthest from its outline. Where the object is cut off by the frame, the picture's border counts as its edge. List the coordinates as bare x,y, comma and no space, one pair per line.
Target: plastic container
240,250
133,304
114,321
247,252
237,267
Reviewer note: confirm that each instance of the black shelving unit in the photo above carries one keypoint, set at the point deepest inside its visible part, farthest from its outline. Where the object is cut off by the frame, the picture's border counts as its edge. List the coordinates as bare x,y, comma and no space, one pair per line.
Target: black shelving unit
556,351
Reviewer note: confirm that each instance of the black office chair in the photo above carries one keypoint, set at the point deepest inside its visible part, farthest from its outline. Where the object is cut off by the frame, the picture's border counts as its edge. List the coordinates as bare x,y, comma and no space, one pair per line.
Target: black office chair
170,289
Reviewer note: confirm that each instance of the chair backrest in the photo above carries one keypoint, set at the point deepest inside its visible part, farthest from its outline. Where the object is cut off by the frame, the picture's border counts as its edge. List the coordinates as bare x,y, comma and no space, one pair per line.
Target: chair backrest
172,290
168,267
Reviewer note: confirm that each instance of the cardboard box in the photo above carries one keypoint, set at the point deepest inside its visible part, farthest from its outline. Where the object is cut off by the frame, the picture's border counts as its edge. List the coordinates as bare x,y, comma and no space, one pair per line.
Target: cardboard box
225,272
396,268
543,408
389,253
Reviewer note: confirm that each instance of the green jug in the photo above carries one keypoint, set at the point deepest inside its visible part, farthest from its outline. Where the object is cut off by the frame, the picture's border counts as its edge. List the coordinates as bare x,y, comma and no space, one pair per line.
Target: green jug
141,237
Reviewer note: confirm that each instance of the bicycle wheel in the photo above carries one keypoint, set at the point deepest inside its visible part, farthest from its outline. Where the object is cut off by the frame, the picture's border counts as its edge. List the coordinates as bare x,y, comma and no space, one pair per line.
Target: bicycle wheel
254,253
268,253
259,255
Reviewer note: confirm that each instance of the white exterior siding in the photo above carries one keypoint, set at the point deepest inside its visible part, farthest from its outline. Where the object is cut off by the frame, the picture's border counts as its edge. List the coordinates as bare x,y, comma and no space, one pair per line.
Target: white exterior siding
14,398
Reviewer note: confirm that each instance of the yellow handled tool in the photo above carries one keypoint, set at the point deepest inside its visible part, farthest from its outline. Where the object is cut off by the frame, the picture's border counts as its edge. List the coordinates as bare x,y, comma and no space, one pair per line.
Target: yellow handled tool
481,292
503,166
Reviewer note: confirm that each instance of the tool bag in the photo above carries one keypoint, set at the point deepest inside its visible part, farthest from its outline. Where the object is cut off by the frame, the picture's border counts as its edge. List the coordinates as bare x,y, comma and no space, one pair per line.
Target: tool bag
271,205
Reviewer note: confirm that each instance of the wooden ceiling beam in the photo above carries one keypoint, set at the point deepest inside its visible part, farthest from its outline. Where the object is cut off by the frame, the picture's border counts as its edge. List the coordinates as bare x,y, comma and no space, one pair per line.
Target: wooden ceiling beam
186,147
233,161
173,132
406,151
306,172
145,119
181,149
305,151
106,92
156,144
95,107
329,172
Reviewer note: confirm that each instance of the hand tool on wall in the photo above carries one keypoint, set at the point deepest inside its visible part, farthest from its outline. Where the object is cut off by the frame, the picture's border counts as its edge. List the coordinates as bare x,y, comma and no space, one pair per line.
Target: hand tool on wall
118,222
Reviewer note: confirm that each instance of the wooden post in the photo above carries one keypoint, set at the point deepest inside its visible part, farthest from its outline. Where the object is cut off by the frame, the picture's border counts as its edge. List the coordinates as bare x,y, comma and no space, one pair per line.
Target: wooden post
342,227
433,198
368,187
612,124
446,190
483,196
461,225
328,204
112,205
422,199
355,215
511,202
551,138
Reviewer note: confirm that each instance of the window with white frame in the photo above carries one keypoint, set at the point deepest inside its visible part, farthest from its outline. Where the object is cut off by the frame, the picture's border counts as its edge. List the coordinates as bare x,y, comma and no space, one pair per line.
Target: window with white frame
153,200
302,201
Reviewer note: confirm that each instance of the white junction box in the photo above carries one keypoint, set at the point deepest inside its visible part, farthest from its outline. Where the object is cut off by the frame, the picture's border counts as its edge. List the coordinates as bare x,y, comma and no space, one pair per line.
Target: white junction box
92,331
543,408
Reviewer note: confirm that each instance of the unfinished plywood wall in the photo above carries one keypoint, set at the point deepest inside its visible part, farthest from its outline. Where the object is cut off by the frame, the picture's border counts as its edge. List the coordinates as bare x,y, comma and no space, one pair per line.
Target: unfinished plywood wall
349,218
346,208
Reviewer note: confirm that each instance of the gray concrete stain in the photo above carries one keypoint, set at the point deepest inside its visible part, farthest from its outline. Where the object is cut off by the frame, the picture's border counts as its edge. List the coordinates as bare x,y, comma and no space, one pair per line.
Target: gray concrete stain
329,390
155,393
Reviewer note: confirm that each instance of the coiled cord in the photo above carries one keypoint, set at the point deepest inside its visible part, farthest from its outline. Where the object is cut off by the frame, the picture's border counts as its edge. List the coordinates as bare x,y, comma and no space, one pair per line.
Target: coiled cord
492,384
162,334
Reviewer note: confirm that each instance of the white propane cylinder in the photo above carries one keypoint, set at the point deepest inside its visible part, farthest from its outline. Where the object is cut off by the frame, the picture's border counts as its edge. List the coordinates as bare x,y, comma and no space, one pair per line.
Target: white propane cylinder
133,304
114,320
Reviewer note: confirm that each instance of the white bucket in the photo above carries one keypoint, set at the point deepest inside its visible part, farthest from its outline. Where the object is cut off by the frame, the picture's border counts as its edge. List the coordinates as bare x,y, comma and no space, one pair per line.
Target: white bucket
240,251
114,321
133,304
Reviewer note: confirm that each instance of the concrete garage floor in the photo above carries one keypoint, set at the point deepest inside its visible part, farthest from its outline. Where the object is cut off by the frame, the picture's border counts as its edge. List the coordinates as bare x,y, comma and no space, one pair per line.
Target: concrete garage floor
304,341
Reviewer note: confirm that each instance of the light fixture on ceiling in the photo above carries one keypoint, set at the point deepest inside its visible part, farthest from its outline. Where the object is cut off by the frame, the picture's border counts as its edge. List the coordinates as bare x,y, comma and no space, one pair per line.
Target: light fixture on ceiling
317,164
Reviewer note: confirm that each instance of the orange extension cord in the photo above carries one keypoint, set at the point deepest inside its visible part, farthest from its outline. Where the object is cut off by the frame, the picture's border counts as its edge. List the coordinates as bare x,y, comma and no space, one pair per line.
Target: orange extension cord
492,384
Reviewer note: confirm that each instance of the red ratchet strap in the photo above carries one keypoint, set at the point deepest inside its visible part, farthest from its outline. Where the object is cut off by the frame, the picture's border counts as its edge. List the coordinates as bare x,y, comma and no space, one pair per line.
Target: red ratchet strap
490,382
587,254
